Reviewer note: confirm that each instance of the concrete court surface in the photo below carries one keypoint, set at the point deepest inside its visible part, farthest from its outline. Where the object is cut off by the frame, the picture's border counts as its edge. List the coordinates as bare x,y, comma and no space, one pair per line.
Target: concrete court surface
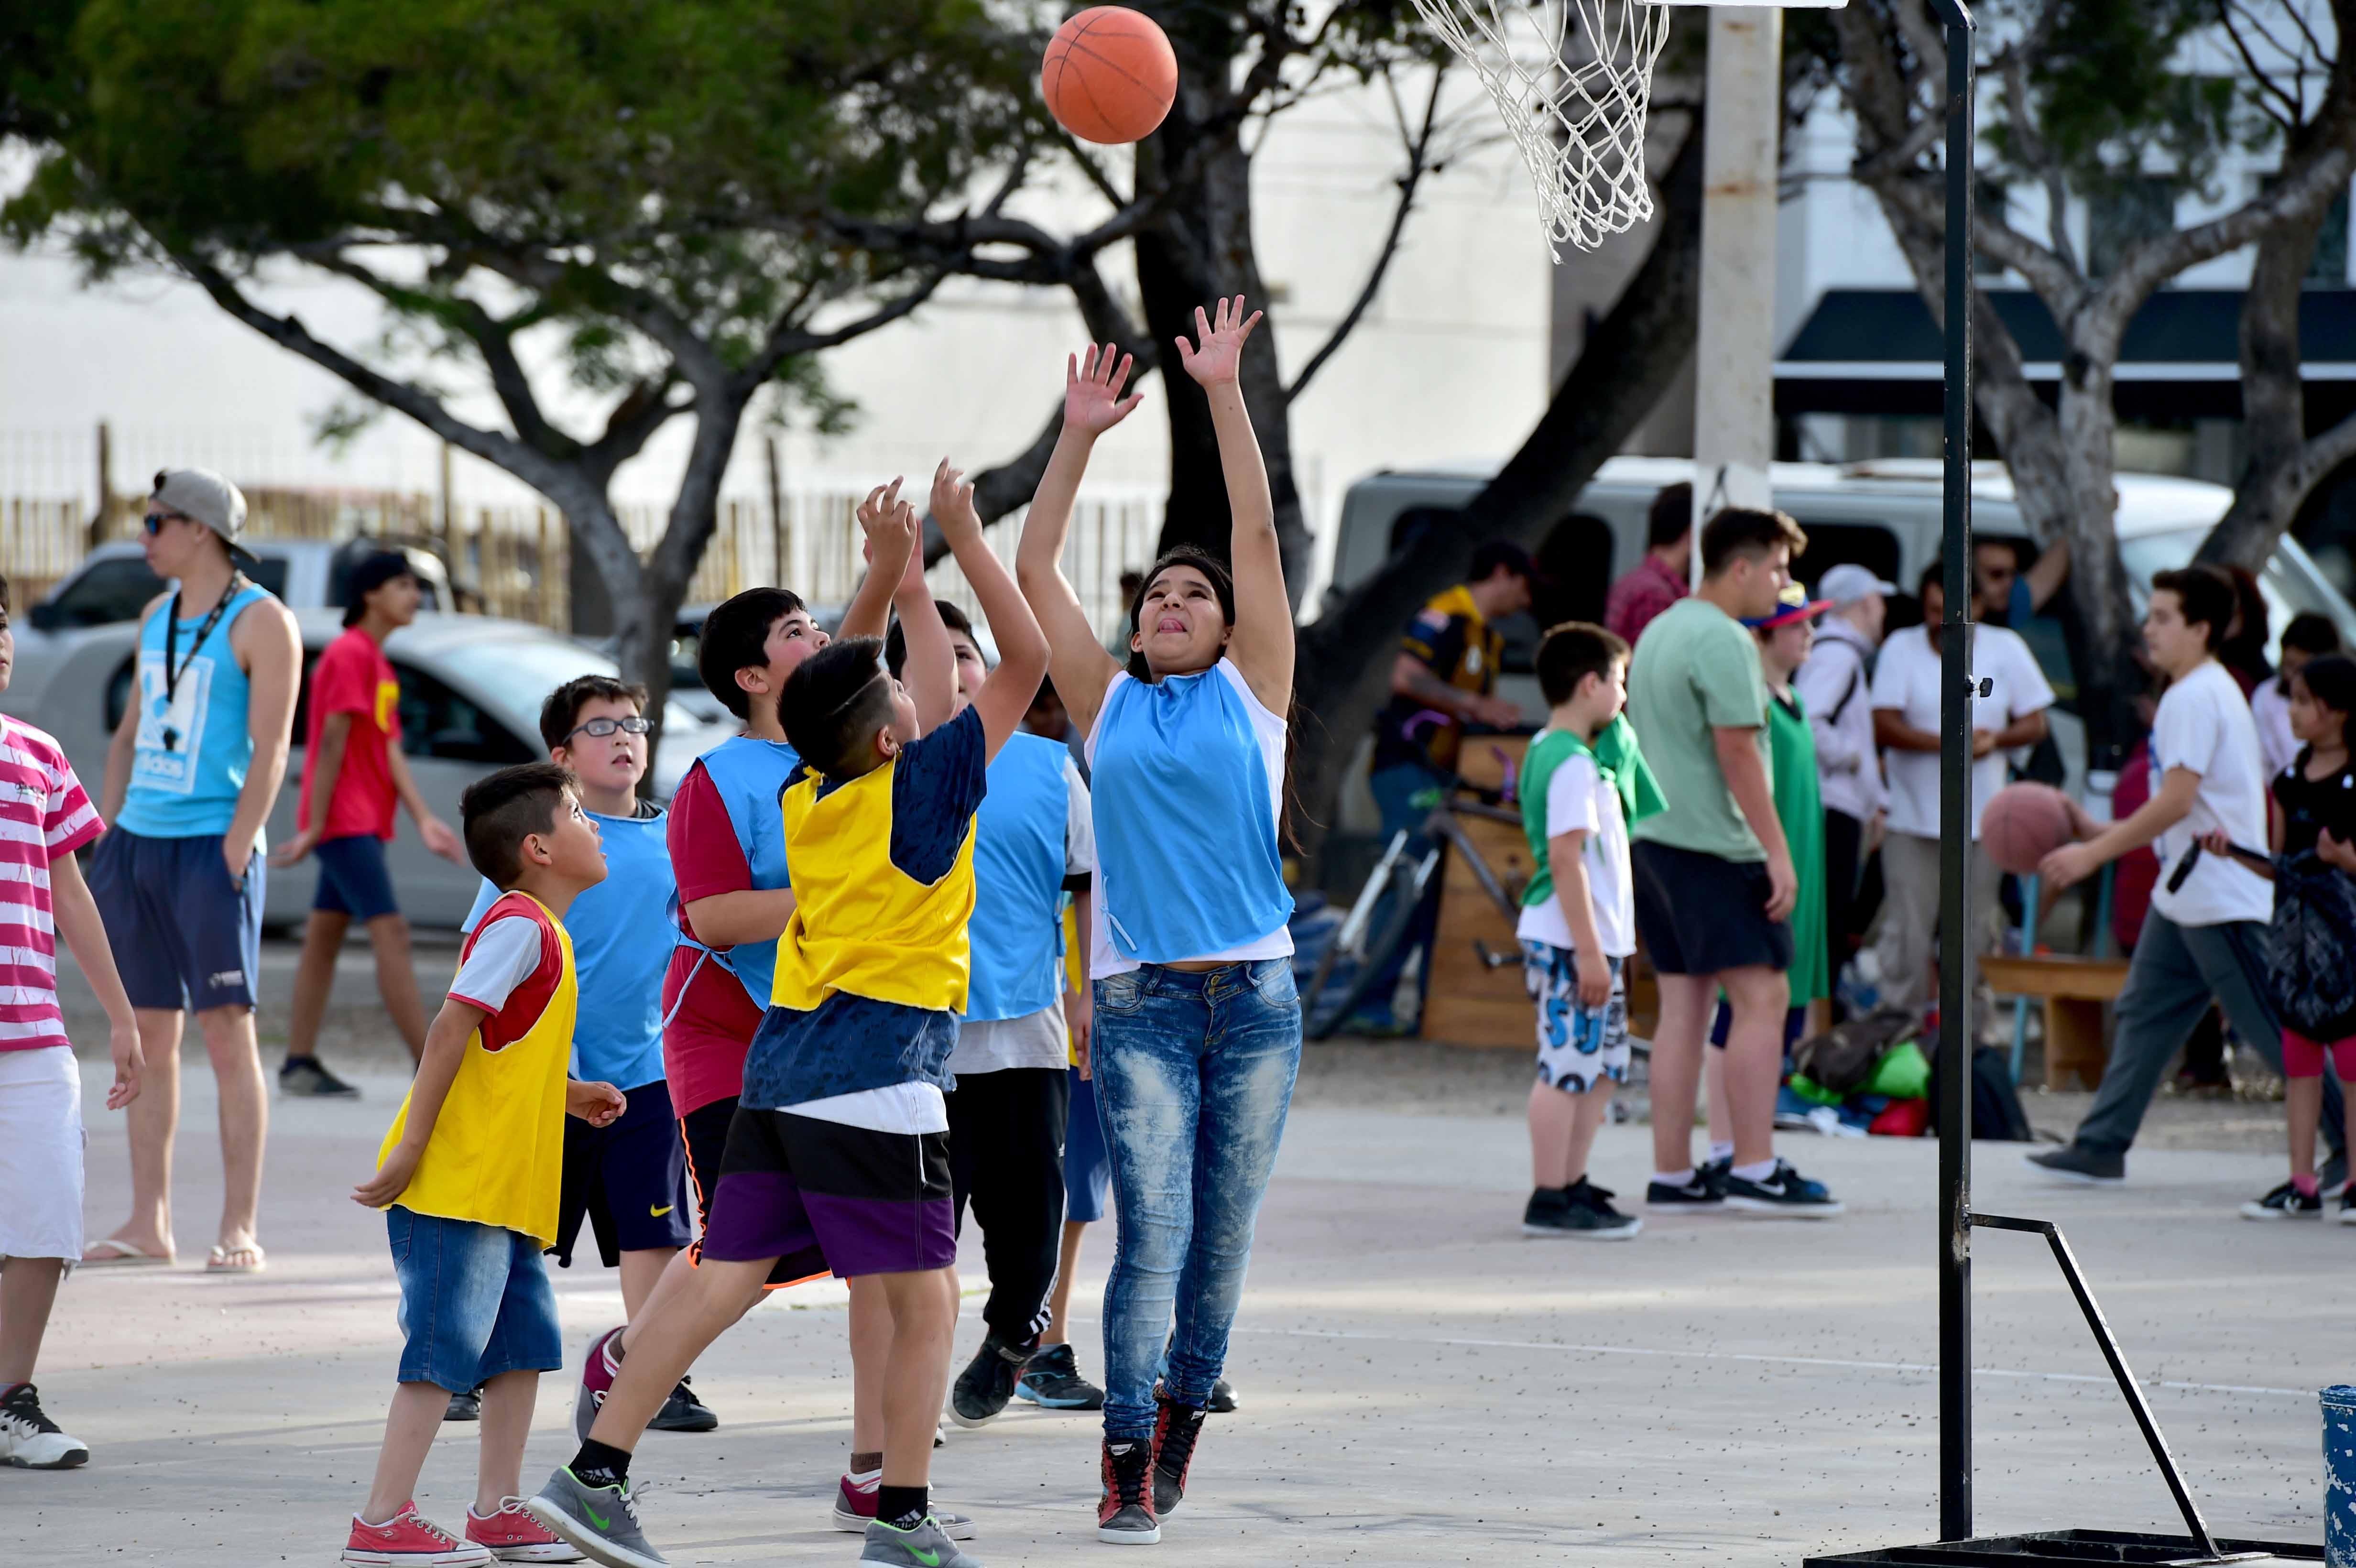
1420,1383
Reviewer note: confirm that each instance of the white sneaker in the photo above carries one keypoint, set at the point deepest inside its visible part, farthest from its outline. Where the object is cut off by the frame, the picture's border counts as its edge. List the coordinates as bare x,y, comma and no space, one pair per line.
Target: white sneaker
29,1440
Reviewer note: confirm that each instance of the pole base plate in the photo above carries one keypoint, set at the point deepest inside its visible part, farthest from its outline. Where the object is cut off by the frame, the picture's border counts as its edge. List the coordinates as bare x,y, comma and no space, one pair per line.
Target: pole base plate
2059,1547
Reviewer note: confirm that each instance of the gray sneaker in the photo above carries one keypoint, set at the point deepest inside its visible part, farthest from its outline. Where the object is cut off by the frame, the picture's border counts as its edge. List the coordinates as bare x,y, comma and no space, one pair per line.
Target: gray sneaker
601,1522
927,1546
302,1078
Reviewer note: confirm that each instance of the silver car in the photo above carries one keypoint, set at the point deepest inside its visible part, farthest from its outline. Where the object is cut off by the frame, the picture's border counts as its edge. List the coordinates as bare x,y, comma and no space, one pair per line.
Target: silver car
471,687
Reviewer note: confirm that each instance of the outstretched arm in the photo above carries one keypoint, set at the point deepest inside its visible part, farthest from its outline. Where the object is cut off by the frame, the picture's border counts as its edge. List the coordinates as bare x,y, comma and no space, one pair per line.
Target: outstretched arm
929,671
1006,696
1092,405
1263,644
889,543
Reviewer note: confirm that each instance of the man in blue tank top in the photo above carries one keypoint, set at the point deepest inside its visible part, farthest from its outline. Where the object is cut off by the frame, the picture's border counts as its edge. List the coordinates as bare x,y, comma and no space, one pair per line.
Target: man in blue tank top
190,777
1032,842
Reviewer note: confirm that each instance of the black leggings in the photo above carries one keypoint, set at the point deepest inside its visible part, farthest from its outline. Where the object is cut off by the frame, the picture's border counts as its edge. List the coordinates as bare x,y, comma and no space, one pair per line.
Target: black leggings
1006,1155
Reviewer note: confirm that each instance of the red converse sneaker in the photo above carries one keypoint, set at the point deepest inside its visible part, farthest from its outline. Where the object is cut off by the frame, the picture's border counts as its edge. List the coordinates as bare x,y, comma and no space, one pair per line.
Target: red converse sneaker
854,1507
512,1535
1125,1513
598,1370
409,1540
1174,1432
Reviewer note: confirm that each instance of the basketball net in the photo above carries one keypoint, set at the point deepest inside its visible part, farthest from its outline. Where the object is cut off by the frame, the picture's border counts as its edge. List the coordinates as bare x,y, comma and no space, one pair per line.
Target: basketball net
1573,81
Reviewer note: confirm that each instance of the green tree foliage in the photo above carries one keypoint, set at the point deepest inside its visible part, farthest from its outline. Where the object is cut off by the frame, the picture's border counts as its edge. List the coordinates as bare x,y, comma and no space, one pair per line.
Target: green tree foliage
614,202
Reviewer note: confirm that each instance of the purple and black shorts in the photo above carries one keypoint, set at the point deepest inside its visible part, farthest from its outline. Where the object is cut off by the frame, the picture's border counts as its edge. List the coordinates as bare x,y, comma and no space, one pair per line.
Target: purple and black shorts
872,1202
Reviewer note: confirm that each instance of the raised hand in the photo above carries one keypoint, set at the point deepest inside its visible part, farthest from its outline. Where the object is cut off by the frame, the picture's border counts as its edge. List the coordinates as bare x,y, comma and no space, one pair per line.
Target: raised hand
953,504
891,530
1217,352
1092,384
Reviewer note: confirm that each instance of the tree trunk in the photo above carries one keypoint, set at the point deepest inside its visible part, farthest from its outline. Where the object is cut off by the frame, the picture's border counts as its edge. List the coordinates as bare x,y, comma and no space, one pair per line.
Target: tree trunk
1626,366
1204,249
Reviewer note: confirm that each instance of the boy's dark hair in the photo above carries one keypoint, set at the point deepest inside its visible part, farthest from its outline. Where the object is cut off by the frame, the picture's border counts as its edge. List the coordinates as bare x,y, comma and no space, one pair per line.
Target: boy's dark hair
561,714
833,705
1223,587
895,641
732,637
2330,680
8,609
1745,531
1672,515
1933,576
500,811
2206,597
2308,632
1570,653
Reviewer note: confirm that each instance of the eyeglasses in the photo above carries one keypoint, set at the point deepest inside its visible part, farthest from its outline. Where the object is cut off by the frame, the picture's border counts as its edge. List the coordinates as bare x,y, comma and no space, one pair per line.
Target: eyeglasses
155,521
601,728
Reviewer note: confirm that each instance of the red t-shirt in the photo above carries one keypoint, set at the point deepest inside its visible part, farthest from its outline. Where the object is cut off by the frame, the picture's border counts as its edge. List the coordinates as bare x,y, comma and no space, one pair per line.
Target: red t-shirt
354,676
710,1026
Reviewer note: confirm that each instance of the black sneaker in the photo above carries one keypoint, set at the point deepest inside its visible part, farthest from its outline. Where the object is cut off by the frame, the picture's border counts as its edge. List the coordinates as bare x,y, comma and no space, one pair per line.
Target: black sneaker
1786,1191
1176,1429
1223,1398
2081,1167
682,1412
2348,1204
1051,1380
466,1406
1715,1172
1580,1212
1698,1191
302,1078
987,1382
2285,1202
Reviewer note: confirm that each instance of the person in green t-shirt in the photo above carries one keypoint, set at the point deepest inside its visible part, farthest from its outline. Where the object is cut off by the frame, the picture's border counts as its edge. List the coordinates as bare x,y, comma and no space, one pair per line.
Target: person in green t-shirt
1582,782
1784,639
1715,883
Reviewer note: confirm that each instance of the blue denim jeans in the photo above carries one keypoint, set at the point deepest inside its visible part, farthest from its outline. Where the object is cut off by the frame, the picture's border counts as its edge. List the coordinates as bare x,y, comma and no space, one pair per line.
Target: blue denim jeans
1194,1075
475,1301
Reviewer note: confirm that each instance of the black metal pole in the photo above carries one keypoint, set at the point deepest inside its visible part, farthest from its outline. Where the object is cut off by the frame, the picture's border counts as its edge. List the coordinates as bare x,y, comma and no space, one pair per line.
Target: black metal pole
1955,1033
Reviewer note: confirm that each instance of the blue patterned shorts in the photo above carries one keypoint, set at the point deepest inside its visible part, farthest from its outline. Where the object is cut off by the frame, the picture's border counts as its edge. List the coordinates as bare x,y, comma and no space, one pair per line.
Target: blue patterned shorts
1577,1046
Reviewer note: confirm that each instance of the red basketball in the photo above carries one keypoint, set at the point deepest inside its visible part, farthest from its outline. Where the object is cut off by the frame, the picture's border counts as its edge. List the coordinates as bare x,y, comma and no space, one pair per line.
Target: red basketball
2023,824
1110,75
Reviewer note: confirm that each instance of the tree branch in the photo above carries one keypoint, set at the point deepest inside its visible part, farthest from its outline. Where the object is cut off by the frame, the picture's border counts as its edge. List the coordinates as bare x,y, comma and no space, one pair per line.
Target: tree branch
1418,147
787,341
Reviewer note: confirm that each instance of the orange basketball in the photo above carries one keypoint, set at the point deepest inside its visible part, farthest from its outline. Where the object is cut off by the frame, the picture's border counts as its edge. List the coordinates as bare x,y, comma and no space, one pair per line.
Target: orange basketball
2024,823
1110,75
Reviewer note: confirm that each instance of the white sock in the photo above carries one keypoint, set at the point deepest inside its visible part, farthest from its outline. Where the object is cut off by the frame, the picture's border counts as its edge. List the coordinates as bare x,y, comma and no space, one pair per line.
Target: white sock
1759,1171
1675,1177
864,1479
1718,1151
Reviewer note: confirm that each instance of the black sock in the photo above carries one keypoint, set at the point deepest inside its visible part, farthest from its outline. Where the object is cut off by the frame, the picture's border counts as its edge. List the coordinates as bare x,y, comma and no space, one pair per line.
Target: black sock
901,1508
600,1465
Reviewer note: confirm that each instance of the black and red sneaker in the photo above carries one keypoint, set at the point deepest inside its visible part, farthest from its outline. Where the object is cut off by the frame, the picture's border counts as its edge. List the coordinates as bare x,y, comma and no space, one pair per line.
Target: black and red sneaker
1175,1430
1125,1515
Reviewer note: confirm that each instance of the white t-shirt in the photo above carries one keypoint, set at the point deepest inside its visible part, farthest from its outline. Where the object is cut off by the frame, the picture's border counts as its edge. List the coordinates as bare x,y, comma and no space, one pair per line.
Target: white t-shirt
2204,725
1578,800
1268,729
504,956
1907,679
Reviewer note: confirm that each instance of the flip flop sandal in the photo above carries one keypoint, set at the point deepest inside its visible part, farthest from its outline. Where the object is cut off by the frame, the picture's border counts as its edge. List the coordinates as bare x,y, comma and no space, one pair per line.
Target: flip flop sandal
218,1260
124,1255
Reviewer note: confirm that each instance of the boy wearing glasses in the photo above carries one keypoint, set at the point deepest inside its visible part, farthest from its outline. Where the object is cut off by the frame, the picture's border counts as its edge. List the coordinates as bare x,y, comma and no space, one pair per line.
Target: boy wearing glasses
629,1179
353,775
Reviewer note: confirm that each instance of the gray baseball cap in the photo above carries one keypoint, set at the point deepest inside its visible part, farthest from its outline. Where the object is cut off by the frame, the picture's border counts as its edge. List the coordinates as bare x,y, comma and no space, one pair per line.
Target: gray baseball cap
201,494
1846,584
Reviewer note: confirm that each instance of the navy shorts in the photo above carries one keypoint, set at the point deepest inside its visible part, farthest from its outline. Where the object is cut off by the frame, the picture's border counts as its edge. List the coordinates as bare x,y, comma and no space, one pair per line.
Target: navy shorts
1087,1174
628,1181
1700,916
475,1301
352,878
703,1133
871,1202
184,937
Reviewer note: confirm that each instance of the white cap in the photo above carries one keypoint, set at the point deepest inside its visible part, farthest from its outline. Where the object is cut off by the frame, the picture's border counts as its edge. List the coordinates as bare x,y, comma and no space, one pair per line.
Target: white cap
1846,584
205,496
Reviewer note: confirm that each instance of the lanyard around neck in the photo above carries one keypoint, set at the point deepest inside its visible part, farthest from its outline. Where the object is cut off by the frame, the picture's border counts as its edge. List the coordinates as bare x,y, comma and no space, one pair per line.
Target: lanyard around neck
172,647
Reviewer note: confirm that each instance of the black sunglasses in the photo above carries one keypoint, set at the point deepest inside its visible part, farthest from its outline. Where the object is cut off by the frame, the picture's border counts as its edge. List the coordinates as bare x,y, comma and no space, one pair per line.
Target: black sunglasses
155,521
601,728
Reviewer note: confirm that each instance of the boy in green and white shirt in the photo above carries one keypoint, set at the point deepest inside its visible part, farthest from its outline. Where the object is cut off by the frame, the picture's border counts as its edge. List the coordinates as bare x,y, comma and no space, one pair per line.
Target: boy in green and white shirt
1582,783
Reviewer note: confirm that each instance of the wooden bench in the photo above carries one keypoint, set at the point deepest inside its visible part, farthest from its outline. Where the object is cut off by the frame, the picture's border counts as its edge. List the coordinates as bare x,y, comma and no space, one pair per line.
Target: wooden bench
2073,991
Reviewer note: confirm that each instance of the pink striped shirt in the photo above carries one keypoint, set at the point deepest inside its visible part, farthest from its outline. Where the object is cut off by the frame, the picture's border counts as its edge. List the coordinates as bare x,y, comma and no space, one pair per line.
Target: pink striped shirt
44,814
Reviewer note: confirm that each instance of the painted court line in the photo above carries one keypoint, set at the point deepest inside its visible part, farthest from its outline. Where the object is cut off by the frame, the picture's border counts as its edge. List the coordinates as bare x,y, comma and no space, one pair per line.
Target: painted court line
1924,1368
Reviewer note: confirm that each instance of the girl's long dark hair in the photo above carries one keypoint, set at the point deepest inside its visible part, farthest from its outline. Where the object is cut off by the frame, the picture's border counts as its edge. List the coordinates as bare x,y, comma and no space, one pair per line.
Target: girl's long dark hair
1223,586
2330,680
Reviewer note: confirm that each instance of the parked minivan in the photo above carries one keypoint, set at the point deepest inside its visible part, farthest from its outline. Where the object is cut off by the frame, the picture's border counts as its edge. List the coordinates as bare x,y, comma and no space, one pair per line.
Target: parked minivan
1886,514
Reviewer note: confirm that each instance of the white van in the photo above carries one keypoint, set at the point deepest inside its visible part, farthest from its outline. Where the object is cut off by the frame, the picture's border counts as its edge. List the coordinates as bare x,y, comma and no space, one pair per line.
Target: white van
1886,514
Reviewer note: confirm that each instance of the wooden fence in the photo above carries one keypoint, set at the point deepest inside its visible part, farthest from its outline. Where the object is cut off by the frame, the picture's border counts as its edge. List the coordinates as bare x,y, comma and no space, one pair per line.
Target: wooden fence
515,561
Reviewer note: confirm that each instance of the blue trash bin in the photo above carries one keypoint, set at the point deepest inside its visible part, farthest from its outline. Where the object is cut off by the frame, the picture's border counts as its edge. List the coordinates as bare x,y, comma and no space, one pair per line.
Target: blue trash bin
2339,1477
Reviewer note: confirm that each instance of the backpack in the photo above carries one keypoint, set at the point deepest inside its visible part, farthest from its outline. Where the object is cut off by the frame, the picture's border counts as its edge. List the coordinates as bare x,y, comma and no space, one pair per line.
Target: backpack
2310,946
1844,1057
